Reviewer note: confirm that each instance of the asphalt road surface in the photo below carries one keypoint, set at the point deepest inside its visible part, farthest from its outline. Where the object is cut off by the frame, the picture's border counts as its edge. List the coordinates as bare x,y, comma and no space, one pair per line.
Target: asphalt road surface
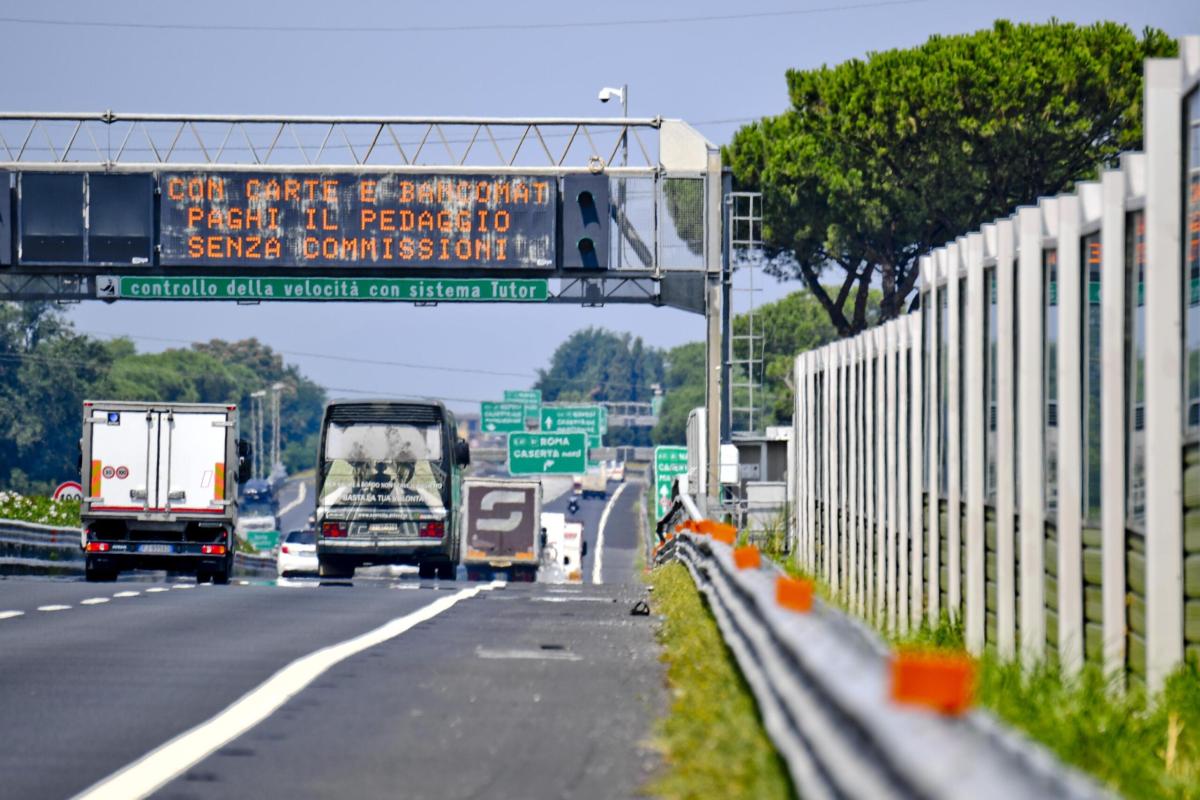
379,687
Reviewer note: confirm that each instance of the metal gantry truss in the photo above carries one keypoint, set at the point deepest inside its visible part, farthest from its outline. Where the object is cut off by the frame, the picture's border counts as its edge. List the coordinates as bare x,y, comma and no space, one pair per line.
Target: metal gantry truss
118,142
745,243
658,152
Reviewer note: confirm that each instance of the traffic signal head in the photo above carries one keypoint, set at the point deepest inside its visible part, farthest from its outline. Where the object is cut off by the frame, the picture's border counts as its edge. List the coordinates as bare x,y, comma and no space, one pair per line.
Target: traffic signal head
585,221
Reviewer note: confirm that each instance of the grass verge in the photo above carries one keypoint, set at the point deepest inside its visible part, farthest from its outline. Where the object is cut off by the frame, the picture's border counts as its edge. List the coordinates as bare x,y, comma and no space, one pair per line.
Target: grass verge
712,738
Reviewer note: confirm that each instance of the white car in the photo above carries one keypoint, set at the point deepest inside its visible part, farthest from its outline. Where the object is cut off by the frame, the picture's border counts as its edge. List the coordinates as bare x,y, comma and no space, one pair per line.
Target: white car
298,554
616,472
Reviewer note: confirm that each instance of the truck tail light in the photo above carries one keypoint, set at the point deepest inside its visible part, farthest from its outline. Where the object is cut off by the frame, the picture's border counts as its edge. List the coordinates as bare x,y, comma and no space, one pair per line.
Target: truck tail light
334,530
213,549
432,530
98,547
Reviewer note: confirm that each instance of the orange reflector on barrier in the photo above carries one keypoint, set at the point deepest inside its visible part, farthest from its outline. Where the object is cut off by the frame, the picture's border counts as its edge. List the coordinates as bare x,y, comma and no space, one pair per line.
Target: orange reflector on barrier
747,557
795,594
941,681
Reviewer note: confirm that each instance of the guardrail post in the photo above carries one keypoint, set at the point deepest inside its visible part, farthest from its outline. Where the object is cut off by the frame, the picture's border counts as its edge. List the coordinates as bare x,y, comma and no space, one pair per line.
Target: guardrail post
1164,370
1006,456
853,547
904,434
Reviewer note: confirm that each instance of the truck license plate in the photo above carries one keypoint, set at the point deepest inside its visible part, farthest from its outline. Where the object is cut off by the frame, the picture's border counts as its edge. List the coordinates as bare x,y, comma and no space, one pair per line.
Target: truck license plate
155,548
386,527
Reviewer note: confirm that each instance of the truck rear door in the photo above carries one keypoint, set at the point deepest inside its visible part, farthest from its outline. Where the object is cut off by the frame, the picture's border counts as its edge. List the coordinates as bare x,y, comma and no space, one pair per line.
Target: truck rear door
192,476
124,460
502,521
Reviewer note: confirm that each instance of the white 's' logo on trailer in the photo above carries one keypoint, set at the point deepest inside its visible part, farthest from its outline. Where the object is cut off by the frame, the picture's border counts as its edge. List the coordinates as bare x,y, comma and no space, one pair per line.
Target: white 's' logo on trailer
501,497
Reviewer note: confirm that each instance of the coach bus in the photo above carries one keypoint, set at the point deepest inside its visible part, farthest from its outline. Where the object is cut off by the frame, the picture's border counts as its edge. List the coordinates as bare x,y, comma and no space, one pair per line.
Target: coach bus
388,486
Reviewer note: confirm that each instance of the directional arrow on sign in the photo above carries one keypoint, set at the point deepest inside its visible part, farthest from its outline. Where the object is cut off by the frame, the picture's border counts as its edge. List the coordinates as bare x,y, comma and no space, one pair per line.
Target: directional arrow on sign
548,422
549,463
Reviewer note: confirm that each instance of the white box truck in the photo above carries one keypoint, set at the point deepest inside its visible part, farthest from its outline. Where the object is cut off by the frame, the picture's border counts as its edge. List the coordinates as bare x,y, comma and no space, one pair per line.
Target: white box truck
160,487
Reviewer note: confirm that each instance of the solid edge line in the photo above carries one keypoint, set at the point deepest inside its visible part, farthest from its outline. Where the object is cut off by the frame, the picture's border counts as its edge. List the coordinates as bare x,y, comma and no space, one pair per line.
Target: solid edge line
167,761
598,560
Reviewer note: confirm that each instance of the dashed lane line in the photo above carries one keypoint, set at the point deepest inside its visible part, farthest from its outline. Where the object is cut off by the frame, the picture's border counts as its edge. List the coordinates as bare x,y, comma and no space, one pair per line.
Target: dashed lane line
598,559
53,608
93,601
184,586
166,762
157,589
126,594
11,614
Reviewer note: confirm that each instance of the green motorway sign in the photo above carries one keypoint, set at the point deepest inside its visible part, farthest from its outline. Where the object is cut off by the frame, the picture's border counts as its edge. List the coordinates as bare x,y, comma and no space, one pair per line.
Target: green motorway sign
528,396
587,419
413,290
262,540
669,461
547,453
502,417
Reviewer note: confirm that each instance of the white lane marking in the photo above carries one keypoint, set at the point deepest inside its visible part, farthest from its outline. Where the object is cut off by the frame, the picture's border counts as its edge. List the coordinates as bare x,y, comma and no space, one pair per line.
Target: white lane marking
53,608
126,594
528,655
168,761
156,589
299,499
11,614
598,557
575,599
93,601
184,586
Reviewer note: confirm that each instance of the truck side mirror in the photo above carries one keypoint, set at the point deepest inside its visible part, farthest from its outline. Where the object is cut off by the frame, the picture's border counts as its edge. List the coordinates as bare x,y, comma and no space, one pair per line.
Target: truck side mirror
543,538
462,452
245,463
583,551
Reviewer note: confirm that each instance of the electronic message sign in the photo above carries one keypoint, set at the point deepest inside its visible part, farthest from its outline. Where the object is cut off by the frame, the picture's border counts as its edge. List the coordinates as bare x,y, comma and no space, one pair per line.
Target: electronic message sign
298,219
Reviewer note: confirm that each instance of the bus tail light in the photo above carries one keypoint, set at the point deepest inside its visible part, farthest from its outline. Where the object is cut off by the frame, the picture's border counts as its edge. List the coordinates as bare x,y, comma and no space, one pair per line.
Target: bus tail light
334,530
432,530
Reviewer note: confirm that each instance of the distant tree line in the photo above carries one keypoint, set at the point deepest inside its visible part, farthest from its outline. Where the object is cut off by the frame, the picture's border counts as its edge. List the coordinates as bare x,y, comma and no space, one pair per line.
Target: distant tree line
47,369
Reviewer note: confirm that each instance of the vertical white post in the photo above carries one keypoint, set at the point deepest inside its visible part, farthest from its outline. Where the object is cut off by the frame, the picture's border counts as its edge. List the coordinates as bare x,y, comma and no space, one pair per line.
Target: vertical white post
795,474
901,491
882,478
830,531
934,271
916,459
853,470
838,531
844,464
1030,399
810,463
870,444
974,442
954,433
1164,370
1071,302
892,345
1006,387
1112,420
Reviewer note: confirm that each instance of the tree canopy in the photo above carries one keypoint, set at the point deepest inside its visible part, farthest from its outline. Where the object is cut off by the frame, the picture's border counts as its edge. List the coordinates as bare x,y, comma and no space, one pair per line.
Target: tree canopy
878,161
47,370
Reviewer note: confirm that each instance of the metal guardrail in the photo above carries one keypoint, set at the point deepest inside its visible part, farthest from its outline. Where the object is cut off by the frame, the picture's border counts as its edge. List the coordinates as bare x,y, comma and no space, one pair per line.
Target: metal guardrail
821,681
30,548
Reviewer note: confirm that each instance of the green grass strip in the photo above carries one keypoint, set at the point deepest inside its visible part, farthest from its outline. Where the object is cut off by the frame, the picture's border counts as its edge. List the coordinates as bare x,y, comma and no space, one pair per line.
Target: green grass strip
712,738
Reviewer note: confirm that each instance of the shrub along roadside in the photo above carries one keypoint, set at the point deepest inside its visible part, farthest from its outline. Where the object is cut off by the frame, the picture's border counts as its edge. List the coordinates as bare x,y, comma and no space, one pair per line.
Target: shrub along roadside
712,739
43,510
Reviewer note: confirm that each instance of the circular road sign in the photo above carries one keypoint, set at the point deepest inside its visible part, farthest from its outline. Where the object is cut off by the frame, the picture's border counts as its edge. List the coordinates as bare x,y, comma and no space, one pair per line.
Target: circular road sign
69,490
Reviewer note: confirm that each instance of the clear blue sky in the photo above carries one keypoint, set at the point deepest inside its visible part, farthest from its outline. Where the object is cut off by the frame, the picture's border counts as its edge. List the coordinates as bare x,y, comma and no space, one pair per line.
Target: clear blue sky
714,74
